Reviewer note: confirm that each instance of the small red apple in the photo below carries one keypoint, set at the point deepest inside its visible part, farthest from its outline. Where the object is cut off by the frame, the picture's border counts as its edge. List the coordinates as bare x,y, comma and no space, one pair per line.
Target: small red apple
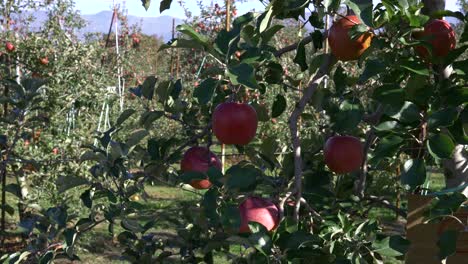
44,61
234,123
196,84
9,47
238,54
440,35
55,151
260,210
26,143
343,154
274,121
199,159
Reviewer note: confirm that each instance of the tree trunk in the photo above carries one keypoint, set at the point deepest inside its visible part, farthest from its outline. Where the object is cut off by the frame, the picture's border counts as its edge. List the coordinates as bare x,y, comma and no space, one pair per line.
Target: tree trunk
456,168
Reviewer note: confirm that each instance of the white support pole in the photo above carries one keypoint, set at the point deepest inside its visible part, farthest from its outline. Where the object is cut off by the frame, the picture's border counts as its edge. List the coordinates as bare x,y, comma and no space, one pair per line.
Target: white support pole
119,86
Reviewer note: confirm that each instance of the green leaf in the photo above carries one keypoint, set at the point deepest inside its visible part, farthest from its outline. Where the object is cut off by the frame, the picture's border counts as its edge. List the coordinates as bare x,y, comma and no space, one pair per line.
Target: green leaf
204,92
447,13
136,136
164,90
455,54
387,125
86,198
124,116
47,258
264,20
215,176
316,20
373,68
147,118
230,218
131,225
349,116
242,178
268,34
331,5
447,243
260,238
189,31
387,147
458,95
182,44
406,113
362,9
10,210
389,94
393,246
67,182
339,78
14,189
440,146
146,4
243,74
148,86
415,67
279,105
442,118
189,176
165,4
301,57
413,173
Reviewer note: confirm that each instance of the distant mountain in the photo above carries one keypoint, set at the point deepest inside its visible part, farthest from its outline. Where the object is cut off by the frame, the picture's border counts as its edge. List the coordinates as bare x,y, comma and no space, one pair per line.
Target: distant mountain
160,26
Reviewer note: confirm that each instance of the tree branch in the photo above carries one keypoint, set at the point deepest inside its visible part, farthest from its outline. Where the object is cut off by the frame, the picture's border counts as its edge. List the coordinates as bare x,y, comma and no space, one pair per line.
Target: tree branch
292,47
293,126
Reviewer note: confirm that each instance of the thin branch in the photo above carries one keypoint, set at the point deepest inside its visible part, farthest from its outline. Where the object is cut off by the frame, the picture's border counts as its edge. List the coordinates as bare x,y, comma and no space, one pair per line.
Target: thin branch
293,126
360,184
310,209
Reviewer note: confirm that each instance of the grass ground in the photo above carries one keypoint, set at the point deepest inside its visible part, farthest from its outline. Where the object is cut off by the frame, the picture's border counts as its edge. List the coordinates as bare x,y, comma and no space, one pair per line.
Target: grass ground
97,247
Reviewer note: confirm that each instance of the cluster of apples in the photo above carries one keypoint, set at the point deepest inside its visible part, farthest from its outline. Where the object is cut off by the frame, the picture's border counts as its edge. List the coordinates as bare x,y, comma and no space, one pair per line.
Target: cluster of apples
10,47
344,154
439,34
232,123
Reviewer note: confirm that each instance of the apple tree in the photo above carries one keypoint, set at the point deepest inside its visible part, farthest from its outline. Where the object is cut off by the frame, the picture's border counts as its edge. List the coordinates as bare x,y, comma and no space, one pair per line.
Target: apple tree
377,106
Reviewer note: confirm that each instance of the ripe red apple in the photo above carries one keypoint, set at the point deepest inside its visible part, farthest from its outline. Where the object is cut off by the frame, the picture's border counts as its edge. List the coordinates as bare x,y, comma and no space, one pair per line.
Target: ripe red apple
440,35
9,47
343,154
342,46
44,61
238,54
234,123
199,159
196,84
260,210
55,151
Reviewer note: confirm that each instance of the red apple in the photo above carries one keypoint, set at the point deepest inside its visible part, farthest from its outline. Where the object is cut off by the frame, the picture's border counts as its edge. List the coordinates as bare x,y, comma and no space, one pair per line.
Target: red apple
9,47
342,46
343,154
199,159
238,54
260,210
234,123
26,143
55,151
44,61
440,35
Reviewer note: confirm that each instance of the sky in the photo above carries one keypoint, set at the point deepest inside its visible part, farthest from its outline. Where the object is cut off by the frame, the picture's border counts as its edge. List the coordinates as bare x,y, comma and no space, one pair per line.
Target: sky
135,7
